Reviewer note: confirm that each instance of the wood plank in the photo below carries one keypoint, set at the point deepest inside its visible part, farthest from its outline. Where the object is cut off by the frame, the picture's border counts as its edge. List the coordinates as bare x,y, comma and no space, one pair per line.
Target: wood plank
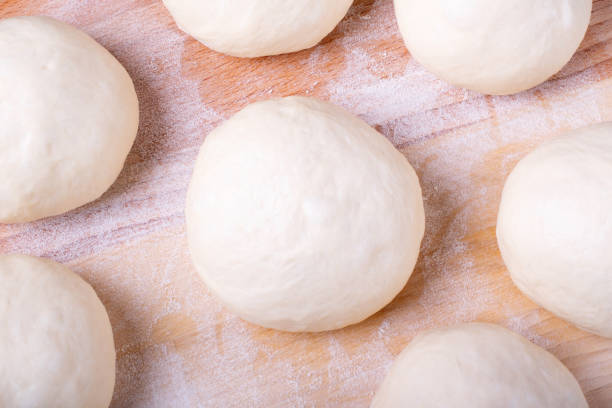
176,345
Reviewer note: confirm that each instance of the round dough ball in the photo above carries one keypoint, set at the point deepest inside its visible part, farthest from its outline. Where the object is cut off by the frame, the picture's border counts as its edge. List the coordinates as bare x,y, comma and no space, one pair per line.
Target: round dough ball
477,365
256,28
69,116
554,227
56,342
301,217
493,46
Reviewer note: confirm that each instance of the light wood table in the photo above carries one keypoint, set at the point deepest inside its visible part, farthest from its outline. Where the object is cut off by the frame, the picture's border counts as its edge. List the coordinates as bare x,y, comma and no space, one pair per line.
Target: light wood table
177,347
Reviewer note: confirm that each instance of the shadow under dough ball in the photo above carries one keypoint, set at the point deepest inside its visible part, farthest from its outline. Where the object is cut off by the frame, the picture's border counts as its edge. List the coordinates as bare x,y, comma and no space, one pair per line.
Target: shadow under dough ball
477,365
493,46
256,28
554,227
56,344
69,116
301,217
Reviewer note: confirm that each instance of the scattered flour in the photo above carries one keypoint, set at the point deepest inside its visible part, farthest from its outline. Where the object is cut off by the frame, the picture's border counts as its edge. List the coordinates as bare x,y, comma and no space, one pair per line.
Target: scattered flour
461,143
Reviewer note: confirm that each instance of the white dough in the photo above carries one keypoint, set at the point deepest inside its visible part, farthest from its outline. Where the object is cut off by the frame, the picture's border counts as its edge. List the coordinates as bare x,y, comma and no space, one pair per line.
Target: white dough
56,342
477,365
555,227
69,116
493,46
301,217
256,28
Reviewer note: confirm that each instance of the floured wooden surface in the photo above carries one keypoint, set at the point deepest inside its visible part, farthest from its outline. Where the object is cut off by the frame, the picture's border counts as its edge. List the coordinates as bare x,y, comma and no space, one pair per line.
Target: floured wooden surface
176,345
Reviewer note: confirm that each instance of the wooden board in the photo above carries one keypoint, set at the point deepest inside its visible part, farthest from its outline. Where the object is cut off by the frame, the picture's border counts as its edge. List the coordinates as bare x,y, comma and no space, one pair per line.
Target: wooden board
176,345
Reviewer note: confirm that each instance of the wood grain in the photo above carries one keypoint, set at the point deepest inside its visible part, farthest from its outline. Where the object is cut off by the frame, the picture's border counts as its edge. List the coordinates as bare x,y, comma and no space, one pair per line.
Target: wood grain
176,345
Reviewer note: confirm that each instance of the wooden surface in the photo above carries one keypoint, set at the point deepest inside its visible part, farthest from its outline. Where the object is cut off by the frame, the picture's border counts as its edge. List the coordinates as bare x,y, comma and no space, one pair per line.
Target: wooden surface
176,346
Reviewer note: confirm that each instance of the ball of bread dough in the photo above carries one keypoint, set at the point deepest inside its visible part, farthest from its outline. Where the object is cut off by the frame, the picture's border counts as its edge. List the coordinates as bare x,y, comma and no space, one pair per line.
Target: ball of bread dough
493,46
554,227
301,217
69,116
256,28
56,342
477,365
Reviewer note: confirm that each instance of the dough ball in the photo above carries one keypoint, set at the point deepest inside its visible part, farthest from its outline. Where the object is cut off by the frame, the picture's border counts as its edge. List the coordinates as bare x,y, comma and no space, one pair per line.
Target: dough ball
256,28
56,342
477,365
301,217
493,46
69,116
555,227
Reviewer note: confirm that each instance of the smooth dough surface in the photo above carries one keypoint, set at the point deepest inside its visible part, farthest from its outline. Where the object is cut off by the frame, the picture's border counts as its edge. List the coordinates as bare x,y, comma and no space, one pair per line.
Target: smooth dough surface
56,341
256,28
69,115
301,217
477,365
493,46
554,227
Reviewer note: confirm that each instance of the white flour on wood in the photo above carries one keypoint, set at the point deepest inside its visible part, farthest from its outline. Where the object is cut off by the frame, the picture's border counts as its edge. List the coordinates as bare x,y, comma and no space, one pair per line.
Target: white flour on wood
176,345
